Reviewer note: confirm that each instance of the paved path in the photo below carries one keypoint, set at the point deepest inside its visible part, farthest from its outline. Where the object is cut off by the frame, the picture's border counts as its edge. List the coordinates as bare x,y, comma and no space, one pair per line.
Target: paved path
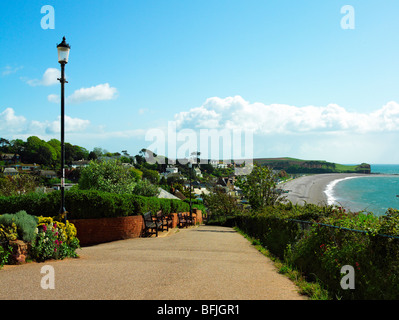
199,263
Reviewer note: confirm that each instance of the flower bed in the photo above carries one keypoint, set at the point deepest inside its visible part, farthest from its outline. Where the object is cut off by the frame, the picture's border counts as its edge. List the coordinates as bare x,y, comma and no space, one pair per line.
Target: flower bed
25,236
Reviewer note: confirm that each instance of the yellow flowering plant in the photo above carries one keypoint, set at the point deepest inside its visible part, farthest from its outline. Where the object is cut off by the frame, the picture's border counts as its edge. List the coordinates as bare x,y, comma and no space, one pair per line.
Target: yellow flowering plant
54,240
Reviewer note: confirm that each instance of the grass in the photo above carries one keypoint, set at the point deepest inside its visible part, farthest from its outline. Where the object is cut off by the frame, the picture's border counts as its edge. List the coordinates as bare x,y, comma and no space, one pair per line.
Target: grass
338,167
314,290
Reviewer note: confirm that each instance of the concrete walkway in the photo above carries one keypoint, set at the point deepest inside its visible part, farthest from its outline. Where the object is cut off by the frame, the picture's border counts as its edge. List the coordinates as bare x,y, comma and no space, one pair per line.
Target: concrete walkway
198,263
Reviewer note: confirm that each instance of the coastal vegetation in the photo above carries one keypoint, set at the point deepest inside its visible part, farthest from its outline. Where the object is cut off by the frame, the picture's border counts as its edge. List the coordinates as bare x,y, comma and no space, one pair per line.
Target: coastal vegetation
293,165
313,243
46,238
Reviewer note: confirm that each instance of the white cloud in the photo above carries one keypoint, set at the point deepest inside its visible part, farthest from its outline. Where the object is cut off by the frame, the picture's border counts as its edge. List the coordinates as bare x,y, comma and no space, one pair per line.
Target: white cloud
54,98
10,70
142,110
9,122
95,93
236,113
14,125
49,78
71,125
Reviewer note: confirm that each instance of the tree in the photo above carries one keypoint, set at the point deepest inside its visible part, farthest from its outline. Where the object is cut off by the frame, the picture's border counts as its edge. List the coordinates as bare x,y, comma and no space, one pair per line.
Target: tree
4,145
98,152
151,175
221,204
108,176
259,187
112,176
39,151
19,184
92,155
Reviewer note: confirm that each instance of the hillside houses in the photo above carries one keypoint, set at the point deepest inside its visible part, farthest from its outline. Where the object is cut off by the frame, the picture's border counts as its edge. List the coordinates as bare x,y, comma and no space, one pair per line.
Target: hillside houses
10,158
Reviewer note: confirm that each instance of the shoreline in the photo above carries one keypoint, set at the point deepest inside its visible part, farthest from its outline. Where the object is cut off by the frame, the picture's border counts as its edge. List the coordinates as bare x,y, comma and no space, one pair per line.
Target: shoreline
312,188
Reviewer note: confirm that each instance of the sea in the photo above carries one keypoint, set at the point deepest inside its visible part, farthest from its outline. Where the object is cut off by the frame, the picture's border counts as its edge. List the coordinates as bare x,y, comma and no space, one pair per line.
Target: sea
372,193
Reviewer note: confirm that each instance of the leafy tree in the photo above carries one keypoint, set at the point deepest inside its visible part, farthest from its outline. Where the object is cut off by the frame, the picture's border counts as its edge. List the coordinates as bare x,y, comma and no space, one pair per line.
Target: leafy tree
259,187
19,184
98,152
109,176
17,146
221,204
112,176
92,155
4,145
39,151
150,175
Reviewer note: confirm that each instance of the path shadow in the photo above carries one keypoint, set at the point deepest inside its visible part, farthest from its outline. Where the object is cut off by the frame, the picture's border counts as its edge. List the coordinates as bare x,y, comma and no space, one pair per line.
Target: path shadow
224,231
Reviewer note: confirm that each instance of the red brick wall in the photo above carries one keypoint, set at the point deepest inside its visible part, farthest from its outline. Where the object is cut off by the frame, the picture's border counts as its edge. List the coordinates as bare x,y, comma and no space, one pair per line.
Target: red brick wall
94,231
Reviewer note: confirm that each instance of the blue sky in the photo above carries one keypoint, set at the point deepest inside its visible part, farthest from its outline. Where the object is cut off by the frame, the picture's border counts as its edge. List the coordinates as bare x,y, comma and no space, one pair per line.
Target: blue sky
286,70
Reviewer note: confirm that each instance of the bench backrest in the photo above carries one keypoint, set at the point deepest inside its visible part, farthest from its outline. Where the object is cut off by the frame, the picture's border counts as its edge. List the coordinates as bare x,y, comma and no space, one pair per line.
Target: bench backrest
147,216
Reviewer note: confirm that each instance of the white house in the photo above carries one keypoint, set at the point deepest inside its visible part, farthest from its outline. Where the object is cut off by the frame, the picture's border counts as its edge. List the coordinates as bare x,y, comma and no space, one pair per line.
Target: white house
80,163
10,172
172,170
197,172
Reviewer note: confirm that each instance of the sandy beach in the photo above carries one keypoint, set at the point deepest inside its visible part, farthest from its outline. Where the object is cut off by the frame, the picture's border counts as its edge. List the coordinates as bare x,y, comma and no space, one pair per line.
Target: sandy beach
310,189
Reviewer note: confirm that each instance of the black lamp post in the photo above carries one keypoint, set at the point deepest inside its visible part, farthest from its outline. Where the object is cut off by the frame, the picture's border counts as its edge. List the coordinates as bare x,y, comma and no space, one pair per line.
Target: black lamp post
63,54
190,165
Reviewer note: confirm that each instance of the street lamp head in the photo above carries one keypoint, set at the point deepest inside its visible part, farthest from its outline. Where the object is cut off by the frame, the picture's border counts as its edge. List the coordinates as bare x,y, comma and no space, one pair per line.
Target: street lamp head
63,51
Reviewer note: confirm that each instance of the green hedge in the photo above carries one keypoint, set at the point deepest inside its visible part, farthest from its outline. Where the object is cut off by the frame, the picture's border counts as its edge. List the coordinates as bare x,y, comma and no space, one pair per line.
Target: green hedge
273,227
89,204
319,251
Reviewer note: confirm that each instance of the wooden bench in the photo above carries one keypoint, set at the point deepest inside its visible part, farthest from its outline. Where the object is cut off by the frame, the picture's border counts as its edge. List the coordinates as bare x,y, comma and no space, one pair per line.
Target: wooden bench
182,220
165,220
190,220
151,224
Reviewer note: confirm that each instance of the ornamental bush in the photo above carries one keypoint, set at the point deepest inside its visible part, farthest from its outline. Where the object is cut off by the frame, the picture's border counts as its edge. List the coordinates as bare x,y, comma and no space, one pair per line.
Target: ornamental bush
54,240
25,224
90,204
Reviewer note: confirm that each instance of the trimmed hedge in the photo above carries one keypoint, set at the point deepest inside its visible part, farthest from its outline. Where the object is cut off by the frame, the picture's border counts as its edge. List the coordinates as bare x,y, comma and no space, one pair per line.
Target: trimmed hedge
89,204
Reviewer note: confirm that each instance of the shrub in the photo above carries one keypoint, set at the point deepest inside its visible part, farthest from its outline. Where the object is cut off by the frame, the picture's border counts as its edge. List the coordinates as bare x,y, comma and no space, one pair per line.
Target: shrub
112,176
336,238
54,240
4,254
26,224
89,204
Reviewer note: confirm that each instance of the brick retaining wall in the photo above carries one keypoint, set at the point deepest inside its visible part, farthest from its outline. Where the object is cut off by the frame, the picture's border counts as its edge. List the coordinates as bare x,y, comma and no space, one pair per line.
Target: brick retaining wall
95,231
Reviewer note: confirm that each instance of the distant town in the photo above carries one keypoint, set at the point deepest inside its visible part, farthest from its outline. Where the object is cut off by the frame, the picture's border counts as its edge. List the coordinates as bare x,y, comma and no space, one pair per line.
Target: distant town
41,160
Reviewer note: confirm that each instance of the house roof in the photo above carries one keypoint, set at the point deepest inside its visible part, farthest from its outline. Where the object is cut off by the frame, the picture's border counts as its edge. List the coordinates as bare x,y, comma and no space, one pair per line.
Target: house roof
164,194
47,172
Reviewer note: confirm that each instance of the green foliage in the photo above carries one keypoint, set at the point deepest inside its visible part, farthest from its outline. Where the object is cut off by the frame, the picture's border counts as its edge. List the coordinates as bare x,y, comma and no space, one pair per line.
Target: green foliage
54,240
26,224
220,204
112,176
320,250
259,187
89,204
108,176
19,184
39,151
5,252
